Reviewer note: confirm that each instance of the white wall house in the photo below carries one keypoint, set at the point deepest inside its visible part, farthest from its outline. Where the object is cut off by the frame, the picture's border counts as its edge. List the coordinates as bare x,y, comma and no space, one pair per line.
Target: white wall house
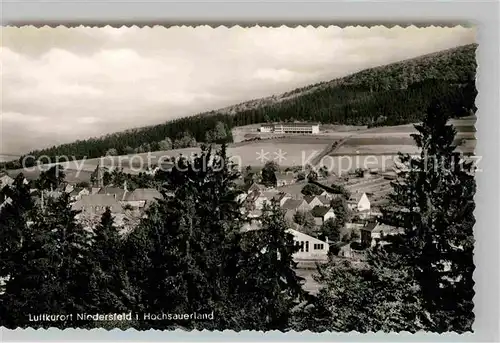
322,213
359,202
311,249
5,180
312,201
77,193
373,232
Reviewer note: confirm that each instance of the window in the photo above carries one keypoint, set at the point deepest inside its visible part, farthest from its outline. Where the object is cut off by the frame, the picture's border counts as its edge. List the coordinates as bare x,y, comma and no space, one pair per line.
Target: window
301,246
307,246
318,246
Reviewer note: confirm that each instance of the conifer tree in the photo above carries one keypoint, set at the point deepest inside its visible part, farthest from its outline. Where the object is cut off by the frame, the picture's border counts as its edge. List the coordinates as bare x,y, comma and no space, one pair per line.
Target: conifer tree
269,286
49,269
189,242
433,201
422,279
108,279
16,212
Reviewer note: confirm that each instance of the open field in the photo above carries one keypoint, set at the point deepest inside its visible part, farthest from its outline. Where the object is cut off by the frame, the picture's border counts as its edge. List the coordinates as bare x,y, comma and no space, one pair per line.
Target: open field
359,147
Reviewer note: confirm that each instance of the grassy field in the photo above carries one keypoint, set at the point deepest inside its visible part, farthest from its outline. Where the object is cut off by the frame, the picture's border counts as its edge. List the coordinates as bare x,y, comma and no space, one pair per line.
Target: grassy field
393,139
374,148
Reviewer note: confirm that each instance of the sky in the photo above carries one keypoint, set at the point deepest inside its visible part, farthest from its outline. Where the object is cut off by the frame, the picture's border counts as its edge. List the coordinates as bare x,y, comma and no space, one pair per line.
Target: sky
63,84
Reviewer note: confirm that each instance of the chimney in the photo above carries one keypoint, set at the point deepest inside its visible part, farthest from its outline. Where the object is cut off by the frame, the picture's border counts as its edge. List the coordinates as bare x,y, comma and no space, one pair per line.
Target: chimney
326,239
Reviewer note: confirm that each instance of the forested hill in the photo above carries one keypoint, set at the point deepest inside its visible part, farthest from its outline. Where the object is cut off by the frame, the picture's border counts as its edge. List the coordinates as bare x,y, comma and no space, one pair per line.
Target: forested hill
394,94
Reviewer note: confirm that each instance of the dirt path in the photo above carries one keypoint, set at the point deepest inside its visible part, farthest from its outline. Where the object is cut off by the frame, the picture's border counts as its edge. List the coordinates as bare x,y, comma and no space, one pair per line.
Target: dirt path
330,149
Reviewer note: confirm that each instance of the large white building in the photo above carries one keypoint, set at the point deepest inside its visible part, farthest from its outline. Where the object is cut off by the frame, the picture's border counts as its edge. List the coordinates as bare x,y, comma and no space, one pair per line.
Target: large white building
302,128
310,249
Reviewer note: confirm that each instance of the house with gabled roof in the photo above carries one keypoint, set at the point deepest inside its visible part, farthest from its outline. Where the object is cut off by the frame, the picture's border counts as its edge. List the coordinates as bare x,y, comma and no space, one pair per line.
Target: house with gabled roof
359,202
78,192
256,187
375,231
312,201
117,192
292,206
141,197
326,195
310,249
282,197
96,204
295,205
322,213
284,179
263,198
5,180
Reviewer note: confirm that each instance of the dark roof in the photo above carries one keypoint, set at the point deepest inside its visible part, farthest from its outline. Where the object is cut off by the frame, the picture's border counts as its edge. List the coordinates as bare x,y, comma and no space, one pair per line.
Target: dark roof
76,190
296,124
292,204
143,194
369,226
309,198
319,211
103,200
324,200
119,192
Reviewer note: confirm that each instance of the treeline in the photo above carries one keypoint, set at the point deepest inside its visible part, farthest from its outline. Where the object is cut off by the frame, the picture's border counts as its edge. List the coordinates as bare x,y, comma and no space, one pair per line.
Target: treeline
388,95
192,254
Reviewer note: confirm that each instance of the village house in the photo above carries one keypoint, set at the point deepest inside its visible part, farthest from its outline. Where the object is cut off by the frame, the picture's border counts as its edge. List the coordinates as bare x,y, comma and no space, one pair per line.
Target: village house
314,201
282,197
322,213
292,206
141,197
310,249
360,203
65,187
78,192
284,179
261,199
374,231
5,180
326,195
96,204
117,192
256,187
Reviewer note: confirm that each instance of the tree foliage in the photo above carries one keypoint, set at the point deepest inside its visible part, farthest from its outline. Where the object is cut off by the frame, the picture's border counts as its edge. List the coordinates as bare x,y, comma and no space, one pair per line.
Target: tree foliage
420,279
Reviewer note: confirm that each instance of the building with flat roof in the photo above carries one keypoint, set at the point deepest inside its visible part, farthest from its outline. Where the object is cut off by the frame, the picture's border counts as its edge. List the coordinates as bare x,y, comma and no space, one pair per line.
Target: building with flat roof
301,128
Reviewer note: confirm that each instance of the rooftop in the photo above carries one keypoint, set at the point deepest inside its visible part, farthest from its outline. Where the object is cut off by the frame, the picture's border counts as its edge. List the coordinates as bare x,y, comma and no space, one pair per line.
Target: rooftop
320,211
98,200
290,124
292,204
119,192
143,194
